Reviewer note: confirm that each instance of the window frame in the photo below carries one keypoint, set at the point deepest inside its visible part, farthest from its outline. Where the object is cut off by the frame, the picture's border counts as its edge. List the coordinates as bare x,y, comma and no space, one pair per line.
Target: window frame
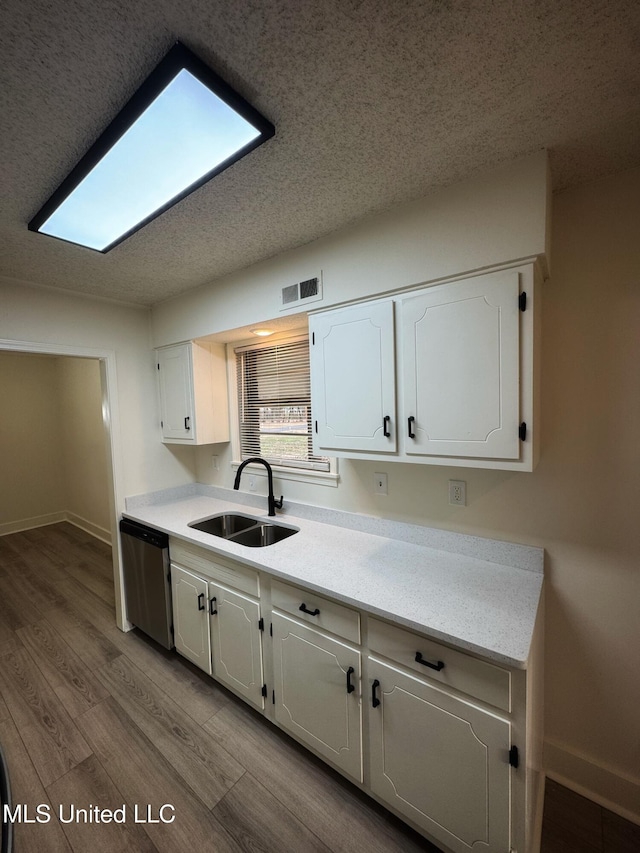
284,472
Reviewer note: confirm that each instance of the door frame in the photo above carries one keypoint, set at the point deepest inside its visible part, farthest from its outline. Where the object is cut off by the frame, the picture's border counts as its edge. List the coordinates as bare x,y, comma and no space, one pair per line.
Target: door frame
111,426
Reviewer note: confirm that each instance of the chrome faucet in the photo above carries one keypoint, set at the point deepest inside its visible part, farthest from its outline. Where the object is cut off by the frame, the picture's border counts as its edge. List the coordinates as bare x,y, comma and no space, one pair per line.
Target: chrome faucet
272,502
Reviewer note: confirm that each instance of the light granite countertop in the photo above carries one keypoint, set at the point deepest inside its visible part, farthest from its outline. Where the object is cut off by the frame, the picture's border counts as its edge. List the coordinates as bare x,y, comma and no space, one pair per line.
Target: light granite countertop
423,579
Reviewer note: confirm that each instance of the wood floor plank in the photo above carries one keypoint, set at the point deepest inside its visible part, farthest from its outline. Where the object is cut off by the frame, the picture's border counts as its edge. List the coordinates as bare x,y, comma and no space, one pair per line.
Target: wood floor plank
73,682
144,777
190,688
88,785
330,807
53,742
261,824
202,762
83,572
16,609
87,641
619,835
27,789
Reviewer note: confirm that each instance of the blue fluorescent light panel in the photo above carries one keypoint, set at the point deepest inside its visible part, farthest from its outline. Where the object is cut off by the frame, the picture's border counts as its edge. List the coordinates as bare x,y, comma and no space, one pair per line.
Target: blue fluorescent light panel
186,132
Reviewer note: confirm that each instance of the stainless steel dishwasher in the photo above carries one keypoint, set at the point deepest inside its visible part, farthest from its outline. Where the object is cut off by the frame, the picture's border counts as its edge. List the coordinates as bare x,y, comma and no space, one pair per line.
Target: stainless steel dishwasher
147,580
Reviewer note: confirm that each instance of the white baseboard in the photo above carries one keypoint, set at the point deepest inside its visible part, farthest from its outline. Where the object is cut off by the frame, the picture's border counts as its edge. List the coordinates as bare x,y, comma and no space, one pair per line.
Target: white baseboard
89,527
30,523
55,518
604,785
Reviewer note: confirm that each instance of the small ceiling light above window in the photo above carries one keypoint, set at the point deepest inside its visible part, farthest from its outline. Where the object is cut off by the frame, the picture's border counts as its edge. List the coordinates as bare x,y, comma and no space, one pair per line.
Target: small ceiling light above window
261,333
183,126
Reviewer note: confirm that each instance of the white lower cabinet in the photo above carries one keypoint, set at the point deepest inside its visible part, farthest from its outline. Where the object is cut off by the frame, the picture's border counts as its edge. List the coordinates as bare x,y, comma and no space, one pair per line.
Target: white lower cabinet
447,740
190,617
317,692
439,760
236,642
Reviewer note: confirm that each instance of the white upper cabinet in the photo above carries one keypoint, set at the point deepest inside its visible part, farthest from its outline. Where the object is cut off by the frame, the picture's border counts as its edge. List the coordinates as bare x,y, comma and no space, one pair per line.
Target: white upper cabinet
451,378
353,378
461,368
192,385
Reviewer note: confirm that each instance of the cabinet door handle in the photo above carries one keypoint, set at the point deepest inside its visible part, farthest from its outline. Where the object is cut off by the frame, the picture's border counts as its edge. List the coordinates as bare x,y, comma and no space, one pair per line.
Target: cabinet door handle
212,606
350,687
187,423
385,426
410,422
438,665
201,601
305,609
374,699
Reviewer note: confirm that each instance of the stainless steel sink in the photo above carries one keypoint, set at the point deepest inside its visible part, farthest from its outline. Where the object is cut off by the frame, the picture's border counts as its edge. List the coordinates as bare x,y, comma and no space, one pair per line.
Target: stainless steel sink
263,534
224,525
243,529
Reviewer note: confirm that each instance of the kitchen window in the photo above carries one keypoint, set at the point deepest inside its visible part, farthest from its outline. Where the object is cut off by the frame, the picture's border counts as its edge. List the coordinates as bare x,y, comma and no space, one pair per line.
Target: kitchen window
274,405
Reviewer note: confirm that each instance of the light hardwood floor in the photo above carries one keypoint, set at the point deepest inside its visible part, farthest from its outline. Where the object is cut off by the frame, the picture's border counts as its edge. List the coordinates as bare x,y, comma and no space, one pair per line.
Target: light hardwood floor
90,716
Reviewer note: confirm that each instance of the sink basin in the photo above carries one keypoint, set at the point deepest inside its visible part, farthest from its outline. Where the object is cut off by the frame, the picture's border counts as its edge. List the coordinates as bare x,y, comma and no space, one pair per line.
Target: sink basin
224,525
243,529
263,534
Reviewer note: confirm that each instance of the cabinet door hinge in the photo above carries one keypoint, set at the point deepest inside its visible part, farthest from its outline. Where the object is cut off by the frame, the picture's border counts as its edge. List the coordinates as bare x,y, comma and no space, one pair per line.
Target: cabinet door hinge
261,624
514,756
522,301
522,431
264,690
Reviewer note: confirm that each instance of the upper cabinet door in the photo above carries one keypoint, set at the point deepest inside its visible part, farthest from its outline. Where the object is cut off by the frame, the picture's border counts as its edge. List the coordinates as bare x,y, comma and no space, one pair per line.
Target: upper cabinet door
460,346
353,378
175,378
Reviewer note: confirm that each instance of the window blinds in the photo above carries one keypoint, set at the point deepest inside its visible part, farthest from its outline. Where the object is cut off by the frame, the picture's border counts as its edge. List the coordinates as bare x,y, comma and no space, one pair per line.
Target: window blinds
274,401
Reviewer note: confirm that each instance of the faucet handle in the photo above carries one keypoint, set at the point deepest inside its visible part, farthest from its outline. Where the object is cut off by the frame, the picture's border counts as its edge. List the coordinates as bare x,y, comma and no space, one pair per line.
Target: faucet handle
278,504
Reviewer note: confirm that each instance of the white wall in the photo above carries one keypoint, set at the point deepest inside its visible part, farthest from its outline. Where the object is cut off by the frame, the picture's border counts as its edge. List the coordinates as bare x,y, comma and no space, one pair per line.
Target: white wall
32,484
52,443
497,217
83,445
51,317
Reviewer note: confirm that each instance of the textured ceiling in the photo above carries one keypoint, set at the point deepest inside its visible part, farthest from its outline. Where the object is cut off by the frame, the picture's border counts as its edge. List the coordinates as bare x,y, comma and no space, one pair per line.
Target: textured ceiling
374,102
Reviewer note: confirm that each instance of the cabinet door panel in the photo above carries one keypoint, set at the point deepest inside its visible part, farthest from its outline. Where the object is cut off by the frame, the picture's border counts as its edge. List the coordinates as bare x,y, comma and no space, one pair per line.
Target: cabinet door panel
190,622
312,702
353,378
236,643
461,368
176,382
440,761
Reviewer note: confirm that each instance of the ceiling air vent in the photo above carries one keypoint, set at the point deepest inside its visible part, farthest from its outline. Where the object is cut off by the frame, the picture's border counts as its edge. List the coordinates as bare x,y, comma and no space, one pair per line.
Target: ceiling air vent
309,290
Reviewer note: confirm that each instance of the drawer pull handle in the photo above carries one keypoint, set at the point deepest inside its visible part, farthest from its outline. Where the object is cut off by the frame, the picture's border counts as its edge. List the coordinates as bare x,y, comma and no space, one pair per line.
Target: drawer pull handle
438,665
374,699
187,423
305,609
212,606
350,687
201,601
410,423
385,426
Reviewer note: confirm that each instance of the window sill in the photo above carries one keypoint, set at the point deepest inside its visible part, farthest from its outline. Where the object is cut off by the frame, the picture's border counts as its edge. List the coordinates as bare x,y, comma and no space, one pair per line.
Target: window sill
300,475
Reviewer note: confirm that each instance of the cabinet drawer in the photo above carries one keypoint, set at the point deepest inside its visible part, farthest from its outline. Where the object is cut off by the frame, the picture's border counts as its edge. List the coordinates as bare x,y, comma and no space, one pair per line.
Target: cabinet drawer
214,567
331,616
478,678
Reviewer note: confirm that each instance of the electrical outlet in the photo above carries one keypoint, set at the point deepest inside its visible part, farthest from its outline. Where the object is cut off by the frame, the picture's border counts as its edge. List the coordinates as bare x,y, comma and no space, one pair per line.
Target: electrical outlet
252,483
380,484
457,492
215,462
